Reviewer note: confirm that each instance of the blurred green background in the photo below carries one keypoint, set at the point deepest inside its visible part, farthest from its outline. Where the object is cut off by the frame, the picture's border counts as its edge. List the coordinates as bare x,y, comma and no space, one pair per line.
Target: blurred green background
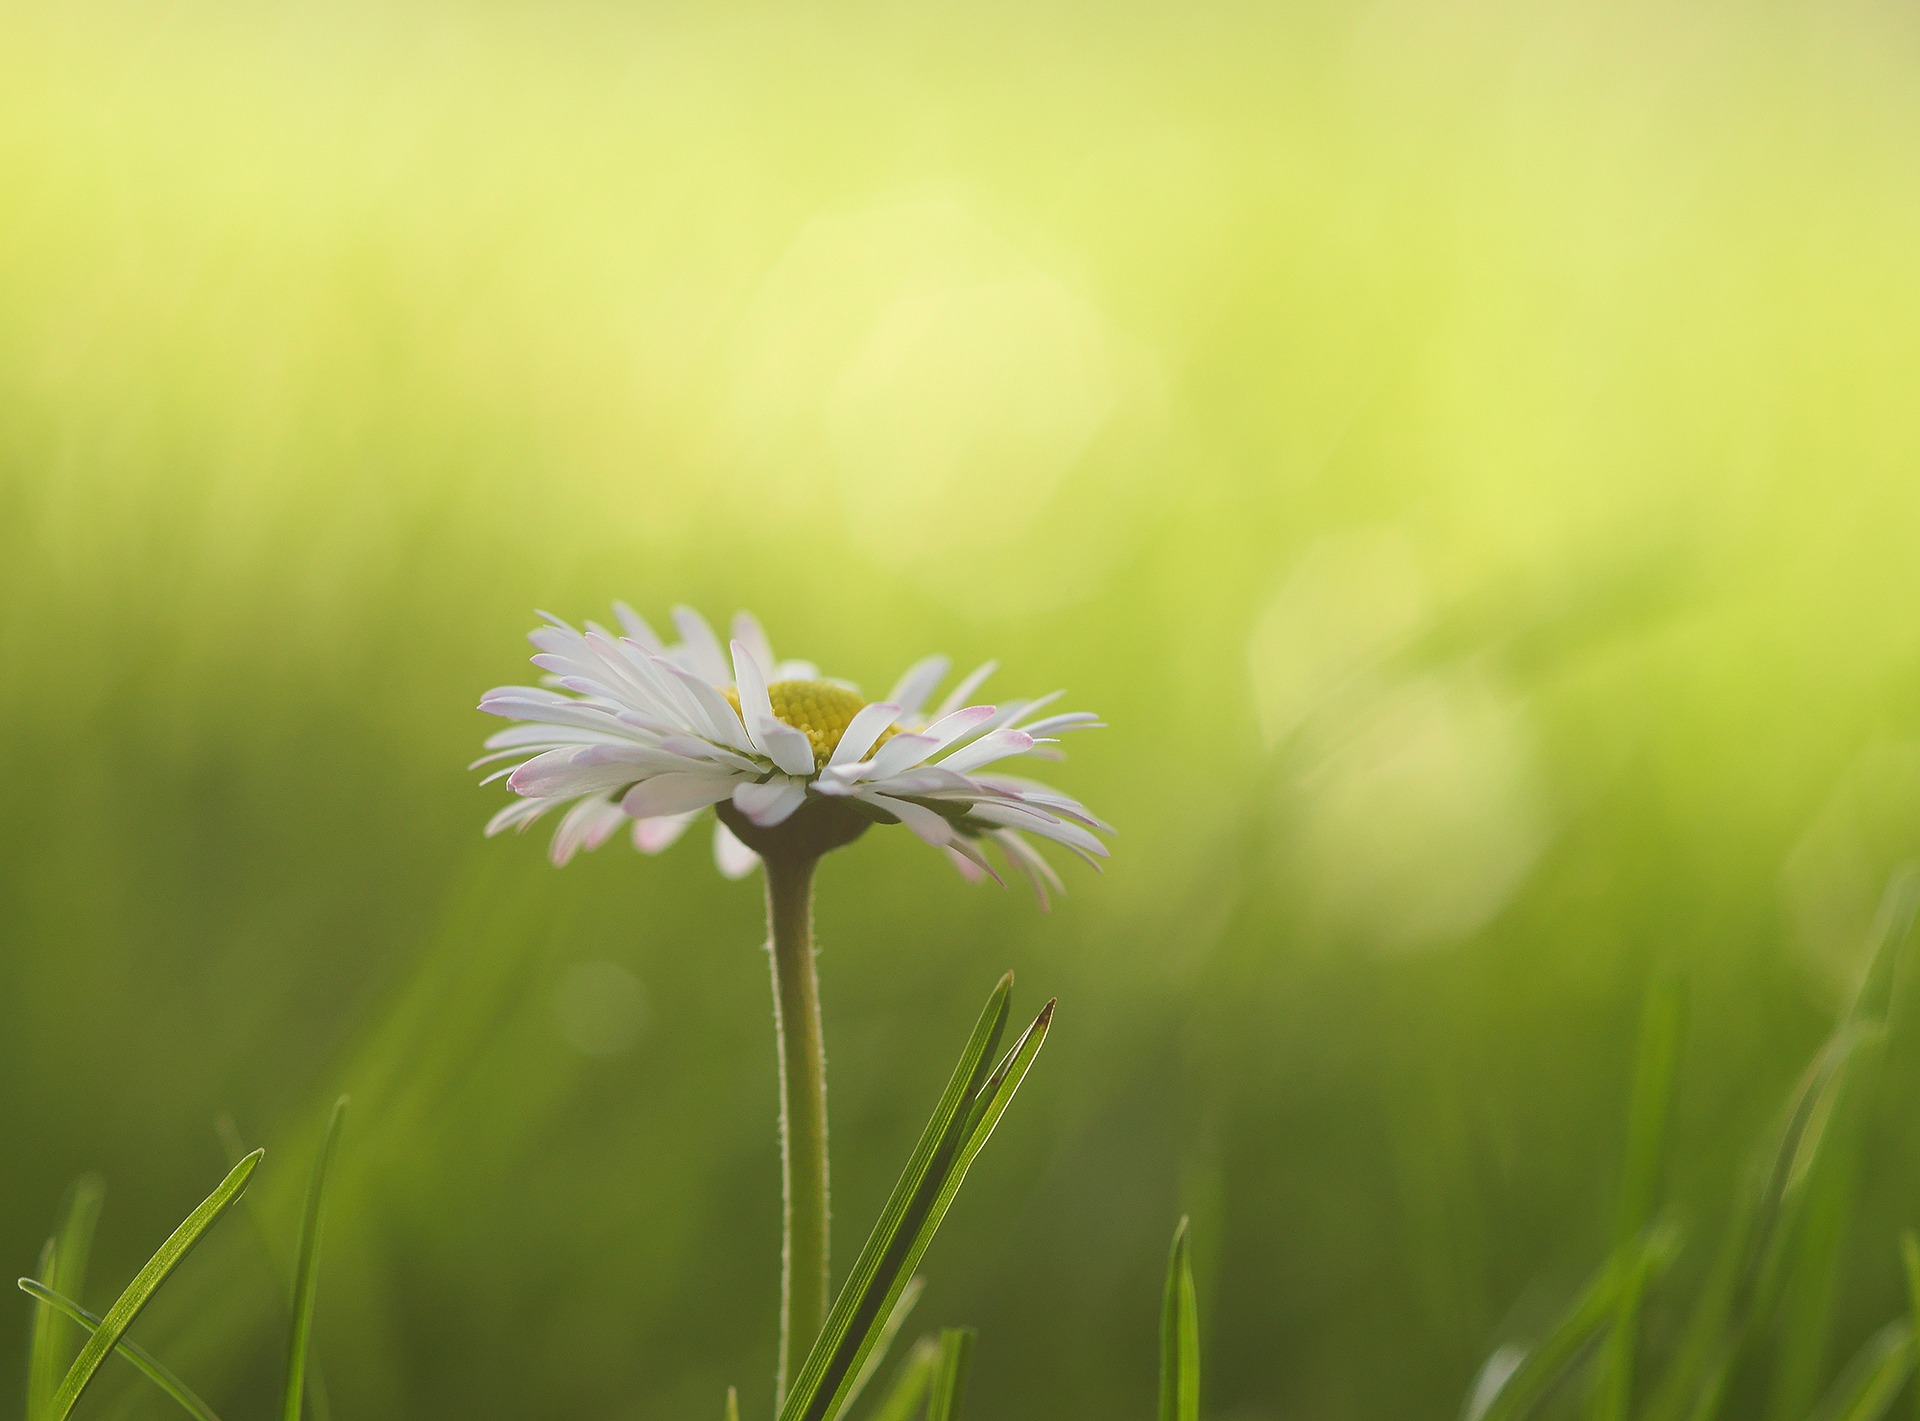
1468,452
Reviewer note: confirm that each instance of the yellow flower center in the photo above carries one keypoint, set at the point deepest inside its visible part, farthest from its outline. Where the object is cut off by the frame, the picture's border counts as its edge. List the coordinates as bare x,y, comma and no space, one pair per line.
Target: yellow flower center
819,710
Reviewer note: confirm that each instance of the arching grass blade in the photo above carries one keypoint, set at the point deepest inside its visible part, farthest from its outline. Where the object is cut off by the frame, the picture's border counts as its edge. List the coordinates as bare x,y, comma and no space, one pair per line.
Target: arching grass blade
306,1273
43,1366
868,1293
910,1383
1180,1335
950,1374
146,1283
1654,1070
901,1311
1538,1372
1871,1381
151,1365
1910,1258
236,1149
1748,1272
964,1120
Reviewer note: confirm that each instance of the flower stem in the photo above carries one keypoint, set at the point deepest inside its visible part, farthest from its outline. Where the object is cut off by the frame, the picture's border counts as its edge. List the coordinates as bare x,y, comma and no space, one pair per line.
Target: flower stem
803,1109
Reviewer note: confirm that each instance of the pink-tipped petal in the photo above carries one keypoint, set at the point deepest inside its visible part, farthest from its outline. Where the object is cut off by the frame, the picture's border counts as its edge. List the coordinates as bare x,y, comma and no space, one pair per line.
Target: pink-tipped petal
770,803
661,832
675,794
987,749
960,694
699,647
913,688
733,858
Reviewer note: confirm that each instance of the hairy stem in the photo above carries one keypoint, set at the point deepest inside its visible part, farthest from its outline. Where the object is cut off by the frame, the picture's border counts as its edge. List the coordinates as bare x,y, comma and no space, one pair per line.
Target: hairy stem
803,1109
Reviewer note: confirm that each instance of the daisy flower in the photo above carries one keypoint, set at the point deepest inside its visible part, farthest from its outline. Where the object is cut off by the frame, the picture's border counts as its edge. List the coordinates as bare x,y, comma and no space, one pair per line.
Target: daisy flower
627,728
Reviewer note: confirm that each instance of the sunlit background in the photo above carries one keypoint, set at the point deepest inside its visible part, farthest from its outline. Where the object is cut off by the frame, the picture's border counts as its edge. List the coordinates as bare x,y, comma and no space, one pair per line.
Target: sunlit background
1470,453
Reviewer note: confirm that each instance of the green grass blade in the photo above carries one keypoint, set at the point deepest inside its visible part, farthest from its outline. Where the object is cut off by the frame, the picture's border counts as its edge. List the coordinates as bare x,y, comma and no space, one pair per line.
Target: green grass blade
1180,1335
1871,1381
146,1283
1910,1257
733,1403
987,1108
306,1273
909,1296
317,1404
1653,1078
1592,1311
127,1347
43,1366
1813,1258
950,1375
72,1256
881,1271
1747,1274
910,1383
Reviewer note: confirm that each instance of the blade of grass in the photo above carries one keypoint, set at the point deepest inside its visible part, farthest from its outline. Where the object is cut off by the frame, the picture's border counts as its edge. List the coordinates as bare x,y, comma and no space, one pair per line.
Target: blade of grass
901,1310
75,1251
151,1365
1542,1368
1180,1335
146,1283
950,1374
1647,1118
898,1243
1866,1389
910,1383
733,1403
43,1366
306,1273
1910,1257
1746,1271
857,1308
236,1150
1814,1258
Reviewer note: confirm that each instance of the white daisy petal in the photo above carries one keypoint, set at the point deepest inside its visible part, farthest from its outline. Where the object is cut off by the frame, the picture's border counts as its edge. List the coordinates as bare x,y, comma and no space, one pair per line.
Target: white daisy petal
574,770
770,803
969,870
1067,720
902,752
721,721
1033,821
519,814
965,850
1040,873
660,832
958,696
987,749
865,728
917,684
699,647
635,626
675,794
779,742
585,826
923,821
750,634
733,858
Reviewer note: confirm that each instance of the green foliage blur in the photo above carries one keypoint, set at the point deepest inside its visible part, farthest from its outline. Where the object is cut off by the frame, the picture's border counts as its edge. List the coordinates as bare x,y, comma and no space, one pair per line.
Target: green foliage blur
1469,452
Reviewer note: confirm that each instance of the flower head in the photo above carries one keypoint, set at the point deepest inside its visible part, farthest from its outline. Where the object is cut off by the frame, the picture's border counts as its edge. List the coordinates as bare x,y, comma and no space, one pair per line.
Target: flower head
629,728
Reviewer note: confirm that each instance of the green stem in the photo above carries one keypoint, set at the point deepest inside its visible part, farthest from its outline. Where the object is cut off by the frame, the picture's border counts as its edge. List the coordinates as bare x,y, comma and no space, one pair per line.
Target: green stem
803,1109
